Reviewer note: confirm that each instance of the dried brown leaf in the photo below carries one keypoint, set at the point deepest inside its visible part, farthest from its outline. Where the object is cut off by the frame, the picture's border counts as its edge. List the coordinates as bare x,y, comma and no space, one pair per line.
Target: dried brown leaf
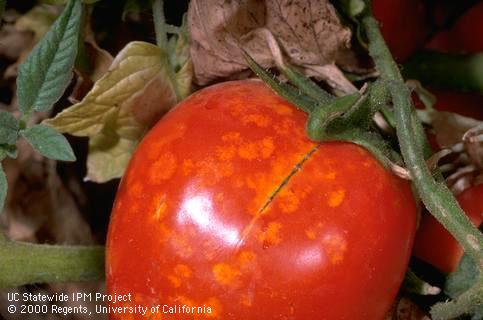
473,141
308,32
450,127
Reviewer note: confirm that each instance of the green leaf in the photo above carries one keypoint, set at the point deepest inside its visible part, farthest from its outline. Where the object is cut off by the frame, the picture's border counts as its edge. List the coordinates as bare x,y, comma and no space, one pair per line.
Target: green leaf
49,142
138,89
47,71
463,278
3,188
8,128
7,150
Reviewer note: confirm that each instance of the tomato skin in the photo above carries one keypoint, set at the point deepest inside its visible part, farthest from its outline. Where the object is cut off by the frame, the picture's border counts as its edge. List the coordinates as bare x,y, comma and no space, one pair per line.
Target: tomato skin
464,36
435,245
227,204
463,103
403,25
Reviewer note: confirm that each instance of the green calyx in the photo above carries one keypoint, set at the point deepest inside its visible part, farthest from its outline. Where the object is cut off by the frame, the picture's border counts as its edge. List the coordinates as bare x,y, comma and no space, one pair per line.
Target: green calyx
346,118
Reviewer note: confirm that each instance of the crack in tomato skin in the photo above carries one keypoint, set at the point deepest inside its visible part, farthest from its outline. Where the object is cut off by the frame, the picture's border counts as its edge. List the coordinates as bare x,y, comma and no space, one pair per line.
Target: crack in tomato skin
328,222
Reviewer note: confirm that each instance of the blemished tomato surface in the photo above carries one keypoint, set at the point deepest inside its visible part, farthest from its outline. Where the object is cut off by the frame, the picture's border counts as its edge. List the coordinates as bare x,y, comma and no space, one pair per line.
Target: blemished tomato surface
226,204
435,245
403,25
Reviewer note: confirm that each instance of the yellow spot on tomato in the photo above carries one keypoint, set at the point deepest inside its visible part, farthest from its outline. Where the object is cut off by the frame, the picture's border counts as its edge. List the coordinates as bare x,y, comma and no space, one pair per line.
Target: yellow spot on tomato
216,307
311,234
283,110
225,169
156,148
188,166
135,189
180,272
161,206
245,257
335,247
271,234
225,274
245,300
225,153
258,149
183,270
288,201
163,168
175,281
329,175
231,136
259,120
267,147
336,198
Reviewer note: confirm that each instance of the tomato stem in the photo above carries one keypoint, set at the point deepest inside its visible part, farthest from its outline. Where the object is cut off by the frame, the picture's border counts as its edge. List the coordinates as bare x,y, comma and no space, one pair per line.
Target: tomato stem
436,196
26,263
160,24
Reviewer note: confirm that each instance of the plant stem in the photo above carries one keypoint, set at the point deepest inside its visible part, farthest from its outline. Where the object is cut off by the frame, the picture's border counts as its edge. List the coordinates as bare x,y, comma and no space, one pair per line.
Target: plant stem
160,24
437,197
26,263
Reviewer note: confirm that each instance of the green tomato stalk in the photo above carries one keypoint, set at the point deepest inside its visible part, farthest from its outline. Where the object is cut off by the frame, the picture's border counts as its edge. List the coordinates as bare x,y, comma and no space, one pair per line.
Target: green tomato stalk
436,196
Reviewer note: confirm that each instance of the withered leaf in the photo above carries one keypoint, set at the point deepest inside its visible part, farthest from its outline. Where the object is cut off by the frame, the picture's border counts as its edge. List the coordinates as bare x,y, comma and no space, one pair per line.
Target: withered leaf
450,127
308,32
123,104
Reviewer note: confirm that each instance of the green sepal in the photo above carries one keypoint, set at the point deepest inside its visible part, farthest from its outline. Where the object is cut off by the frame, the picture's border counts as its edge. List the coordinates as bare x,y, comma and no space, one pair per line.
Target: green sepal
306,85
49,142
320,118
8,150
372,141
293,95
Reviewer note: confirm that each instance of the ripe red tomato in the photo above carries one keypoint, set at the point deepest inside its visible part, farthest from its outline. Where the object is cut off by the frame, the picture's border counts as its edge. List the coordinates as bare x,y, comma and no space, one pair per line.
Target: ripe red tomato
226,204
403,25
464,36
437,246
463,103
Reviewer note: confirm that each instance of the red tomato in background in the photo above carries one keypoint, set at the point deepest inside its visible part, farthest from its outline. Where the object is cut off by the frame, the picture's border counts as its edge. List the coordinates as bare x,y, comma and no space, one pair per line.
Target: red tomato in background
403,25
437,246
226,204
465,36
463,103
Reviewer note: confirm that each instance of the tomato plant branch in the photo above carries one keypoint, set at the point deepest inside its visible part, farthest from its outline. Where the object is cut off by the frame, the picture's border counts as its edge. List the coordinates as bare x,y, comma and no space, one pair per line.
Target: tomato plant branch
160,24
26,263
436,196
